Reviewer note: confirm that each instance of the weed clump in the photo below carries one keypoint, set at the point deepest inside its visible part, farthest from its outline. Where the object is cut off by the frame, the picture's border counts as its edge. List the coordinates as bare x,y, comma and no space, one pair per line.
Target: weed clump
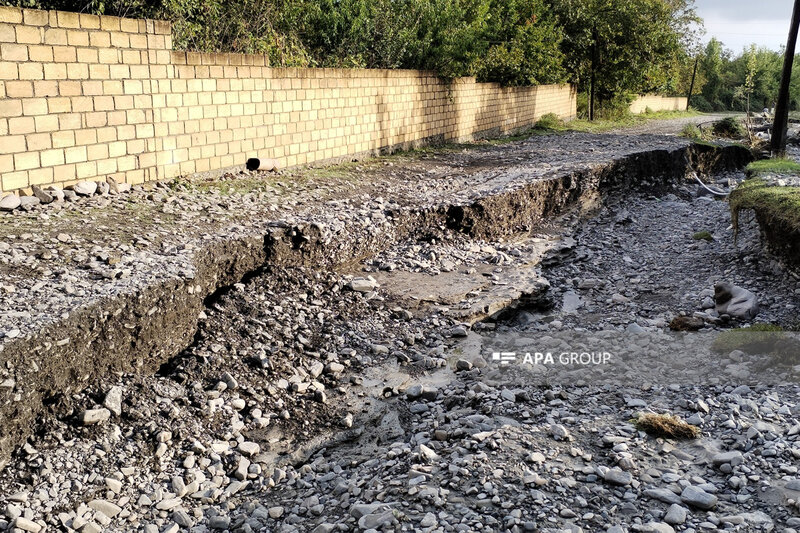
703,235
729,128
692,131
666,426
550,121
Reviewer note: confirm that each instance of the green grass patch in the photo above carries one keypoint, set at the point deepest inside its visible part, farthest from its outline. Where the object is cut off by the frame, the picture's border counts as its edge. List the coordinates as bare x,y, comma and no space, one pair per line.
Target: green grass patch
773,166
772,340
694,132
778,204
603,125
703,235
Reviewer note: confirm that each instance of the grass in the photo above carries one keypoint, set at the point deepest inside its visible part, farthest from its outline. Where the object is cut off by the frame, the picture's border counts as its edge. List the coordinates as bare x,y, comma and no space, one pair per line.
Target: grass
692,131
782,346
773,166
773,203
666,426
602,125
703,235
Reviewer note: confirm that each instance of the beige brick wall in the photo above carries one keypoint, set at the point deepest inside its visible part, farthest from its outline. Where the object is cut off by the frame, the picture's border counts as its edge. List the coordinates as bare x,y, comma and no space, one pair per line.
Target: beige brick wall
658,103
85,97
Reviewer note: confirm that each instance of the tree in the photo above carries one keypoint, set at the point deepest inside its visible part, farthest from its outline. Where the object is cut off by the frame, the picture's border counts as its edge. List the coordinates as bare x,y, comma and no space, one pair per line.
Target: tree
615,48
782,108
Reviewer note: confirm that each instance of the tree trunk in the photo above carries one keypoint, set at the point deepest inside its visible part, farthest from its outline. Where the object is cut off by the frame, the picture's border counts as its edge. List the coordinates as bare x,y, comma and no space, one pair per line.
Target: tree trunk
781,122
691,85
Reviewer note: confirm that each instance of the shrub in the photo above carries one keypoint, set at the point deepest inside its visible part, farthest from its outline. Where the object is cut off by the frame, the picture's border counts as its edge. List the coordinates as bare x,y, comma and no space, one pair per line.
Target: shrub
691,131
729,127
700,103
666,426
550,121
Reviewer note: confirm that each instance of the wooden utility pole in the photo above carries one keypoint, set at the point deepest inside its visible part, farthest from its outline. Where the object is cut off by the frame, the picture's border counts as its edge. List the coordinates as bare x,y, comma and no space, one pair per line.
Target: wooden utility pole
592,80
691,85
781,122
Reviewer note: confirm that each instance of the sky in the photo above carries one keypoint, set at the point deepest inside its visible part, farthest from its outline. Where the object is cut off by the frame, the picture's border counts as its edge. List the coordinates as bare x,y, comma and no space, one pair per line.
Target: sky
737,23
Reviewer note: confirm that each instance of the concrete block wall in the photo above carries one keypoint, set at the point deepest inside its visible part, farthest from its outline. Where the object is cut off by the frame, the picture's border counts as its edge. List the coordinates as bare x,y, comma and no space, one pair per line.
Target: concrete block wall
658,103
86,97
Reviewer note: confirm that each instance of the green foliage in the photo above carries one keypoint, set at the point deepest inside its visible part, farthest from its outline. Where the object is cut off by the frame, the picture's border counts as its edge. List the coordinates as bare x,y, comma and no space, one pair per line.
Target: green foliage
729,127
730,81
627,46
773,166
773,203
699,102
692,131
703,235
549,121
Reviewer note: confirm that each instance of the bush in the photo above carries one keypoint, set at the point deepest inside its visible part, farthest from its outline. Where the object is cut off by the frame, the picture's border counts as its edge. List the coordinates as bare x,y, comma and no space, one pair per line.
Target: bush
729,127
550,121
700,103
691,131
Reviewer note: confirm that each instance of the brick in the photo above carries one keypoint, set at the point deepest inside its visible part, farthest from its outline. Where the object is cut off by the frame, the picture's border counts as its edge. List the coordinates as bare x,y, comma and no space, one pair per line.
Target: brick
63,139
15,180
19,89
34,106
55,36
40,176
40,53
28,35
77,38
77,71
65,54
34,17
45,88
59,105
76,154
26,160
8,71
90,22
68,20
21,125
12,144
55,71
13,52
38,141
12,15
100,39
46,123
69,121
10,108
51,158
31,71
88,55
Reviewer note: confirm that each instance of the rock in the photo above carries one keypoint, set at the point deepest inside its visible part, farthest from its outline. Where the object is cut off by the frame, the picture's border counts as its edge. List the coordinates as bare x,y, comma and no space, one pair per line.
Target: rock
43,196
571,303
686,323
275,512
27,525
697,497
735,301
85,188
9,202
94,416
663,495
249,448
559,432
26,202
734,458
463,364
656,527
363,284
617,476
676,514
113,187
113,400
219,522
106,507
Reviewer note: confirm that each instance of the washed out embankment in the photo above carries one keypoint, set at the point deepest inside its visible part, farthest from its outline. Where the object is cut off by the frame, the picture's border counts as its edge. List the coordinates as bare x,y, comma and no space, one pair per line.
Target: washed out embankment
139,330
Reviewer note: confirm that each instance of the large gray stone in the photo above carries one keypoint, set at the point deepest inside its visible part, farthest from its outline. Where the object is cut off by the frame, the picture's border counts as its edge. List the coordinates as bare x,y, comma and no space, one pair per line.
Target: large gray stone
697,497
9,202
735,301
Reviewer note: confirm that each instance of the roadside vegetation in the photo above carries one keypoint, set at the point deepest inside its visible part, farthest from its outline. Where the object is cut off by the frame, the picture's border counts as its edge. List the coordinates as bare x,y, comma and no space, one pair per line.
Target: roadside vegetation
645,43
734,81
